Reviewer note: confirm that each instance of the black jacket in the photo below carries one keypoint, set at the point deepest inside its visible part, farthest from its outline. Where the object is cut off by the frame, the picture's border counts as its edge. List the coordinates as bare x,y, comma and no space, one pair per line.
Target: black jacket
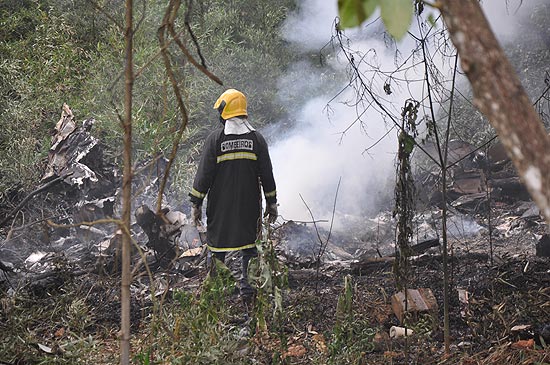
231,169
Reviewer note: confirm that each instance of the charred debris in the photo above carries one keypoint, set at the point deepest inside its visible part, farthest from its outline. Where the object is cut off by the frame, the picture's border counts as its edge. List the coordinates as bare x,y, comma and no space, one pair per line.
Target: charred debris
66,228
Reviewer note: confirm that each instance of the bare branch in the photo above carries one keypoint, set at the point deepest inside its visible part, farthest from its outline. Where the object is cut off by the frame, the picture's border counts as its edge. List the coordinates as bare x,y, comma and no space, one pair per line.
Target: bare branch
191,33
179,99
184,49
322,245
365,91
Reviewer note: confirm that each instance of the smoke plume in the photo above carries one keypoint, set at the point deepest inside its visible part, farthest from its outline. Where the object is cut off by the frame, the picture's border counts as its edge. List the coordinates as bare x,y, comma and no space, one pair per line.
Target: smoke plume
326,155
322,149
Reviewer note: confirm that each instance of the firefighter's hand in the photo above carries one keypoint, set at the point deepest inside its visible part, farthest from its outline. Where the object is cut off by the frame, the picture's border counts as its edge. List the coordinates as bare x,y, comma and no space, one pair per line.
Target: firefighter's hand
271,212
196,215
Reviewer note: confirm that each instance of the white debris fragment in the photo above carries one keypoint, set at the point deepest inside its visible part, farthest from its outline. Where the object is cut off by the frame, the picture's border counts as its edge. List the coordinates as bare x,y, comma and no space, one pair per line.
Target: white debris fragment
45,348
35,257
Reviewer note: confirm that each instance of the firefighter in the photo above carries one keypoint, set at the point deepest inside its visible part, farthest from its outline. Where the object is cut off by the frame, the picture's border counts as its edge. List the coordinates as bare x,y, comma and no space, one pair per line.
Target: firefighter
234,163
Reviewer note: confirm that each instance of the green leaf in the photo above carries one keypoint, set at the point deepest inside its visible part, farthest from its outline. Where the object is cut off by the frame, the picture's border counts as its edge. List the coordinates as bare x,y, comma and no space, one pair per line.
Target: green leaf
431,20
408,144
397,16
353,12
348,13
259,274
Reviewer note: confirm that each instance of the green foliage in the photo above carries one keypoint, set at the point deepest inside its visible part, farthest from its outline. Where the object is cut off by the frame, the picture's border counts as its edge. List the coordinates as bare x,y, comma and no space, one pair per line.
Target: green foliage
422,326
196,330
270,277
44,65
243,46
62,51
396,14
405,208
344,316
219,284
351,338
143,358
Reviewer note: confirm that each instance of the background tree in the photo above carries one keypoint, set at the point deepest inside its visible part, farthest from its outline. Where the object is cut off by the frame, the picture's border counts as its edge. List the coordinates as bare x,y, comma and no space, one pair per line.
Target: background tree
57,51
46,56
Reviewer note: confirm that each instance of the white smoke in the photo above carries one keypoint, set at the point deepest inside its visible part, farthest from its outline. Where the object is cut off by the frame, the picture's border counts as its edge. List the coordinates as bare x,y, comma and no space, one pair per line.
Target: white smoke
505,16
309,163
311,157
311,25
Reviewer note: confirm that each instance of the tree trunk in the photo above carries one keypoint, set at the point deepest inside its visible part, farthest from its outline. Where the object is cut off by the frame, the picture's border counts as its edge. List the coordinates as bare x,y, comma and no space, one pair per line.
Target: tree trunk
127,190
499,95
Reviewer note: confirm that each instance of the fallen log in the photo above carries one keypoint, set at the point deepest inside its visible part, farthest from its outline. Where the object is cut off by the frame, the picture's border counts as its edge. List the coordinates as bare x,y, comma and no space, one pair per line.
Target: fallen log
376,263
424,246
372,264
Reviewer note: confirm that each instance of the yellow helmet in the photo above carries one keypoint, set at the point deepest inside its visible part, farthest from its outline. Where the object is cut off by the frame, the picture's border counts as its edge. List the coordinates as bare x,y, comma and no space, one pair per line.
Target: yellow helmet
232,103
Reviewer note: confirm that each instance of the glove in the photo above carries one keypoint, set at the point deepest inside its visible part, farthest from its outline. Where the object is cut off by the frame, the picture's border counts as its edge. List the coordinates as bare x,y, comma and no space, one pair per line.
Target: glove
271,212
196,215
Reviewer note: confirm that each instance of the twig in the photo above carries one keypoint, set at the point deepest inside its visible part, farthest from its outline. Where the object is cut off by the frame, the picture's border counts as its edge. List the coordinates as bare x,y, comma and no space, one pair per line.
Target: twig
322,245
334,209
154,57
366,150
184,49
313,218
304,222
138,24
191,33
107,15
366,89
10,232
15,229
168,17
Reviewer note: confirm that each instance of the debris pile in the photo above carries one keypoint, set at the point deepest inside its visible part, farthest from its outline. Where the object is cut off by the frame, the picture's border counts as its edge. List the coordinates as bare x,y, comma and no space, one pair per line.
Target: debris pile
476,177
76,227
